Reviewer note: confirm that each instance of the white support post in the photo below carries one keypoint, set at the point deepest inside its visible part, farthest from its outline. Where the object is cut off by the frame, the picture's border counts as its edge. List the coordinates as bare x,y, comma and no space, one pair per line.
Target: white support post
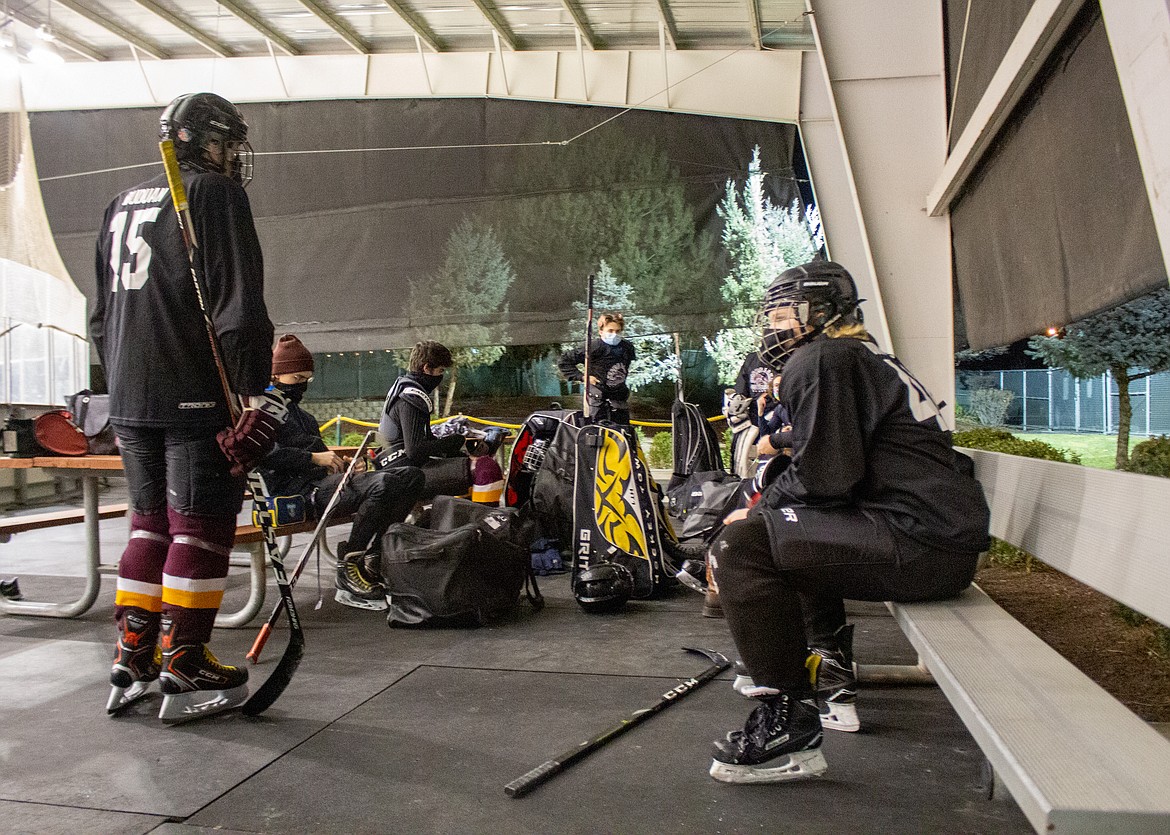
1139,31
423,59
500,58
581,57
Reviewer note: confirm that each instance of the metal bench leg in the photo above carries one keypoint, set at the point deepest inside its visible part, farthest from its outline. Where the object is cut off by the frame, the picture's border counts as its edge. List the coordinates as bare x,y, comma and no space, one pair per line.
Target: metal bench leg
93,582
885,675
259,580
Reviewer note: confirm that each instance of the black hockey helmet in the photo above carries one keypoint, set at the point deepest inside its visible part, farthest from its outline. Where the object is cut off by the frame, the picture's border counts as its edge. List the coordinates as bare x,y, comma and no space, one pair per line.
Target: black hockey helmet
604,587
195,119
817,294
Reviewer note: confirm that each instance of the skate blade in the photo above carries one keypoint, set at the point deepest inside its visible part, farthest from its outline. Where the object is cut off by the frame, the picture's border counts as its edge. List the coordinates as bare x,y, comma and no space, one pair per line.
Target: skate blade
840,717
742,685
123,697
691,582
347,599
178,708
795,766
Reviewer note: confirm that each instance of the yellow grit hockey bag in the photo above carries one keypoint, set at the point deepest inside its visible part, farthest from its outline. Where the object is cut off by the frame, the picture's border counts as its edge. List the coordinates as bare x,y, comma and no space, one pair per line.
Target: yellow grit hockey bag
623,545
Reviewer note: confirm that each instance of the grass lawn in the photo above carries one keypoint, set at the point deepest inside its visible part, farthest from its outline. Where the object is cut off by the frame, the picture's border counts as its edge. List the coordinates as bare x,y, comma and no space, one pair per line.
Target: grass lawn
1097,451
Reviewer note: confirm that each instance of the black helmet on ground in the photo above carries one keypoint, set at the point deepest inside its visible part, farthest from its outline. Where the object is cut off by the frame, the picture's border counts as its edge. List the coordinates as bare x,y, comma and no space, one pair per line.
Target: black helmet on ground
209,133
604,587
800,303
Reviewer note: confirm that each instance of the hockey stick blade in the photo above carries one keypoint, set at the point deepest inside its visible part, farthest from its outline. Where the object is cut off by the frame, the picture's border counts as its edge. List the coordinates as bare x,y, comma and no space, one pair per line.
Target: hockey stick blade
547,770
276,683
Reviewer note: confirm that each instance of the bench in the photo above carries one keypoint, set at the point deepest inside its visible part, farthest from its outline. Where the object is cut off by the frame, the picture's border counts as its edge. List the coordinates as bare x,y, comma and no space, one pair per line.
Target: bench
1072,757
53,519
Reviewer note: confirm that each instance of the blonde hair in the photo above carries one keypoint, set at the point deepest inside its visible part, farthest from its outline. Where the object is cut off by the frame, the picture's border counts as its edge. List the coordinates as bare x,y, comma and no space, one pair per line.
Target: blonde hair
611,319
848,330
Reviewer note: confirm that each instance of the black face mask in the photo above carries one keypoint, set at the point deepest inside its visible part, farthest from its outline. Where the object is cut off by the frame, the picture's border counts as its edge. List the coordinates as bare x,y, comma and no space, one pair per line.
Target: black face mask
293,391
430,382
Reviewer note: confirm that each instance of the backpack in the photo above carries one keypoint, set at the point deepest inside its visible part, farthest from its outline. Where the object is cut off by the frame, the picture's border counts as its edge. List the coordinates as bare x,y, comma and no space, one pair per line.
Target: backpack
91,413
695,444
468,568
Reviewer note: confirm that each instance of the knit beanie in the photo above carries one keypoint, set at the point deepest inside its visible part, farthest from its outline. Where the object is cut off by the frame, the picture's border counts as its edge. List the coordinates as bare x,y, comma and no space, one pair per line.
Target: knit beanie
290,356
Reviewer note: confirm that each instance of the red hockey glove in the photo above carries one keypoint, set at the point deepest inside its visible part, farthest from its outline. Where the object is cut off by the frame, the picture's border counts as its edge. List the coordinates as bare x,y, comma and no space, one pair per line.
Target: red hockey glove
254,434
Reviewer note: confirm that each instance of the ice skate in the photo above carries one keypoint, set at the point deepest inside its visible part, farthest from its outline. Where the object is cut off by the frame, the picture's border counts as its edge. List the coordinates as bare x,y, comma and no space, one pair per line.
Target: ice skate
196,685
836,684
354,586
137,660
780,741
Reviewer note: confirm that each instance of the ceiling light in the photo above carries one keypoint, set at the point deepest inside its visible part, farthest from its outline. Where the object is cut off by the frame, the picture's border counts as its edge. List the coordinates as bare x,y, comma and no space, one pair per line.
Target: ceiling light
45,33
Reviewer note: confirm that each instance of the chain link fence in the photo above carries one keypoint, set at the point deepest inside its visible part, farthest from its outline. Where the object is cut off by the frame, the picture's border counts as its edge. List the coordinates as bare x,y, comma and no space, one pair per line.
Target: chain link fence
1052,400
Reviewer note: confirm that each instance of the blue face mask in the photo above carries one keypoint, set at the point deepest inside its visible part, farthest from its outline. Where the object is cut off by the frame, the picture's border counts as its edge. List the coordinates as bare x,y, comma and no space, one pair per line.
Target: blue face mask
611,338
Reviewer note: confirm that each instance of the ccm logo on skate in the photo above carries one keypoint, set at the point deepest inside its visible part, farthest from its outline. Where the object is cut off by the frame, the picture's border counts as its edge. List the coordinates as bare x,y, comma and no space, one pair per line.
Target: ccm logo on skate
681,689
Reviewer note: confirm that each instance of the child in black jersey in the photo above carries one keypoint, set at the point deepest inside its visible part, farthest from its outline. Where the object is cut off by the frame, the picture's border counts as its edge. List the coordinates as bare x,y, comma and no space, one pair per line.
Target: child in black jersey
875,505
610,358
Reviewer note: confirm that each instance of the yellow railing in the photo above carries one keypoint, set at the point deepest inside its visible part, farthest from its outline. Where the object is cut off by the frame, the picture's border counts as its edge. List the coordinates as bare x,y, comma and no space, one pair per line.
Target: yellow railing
340,419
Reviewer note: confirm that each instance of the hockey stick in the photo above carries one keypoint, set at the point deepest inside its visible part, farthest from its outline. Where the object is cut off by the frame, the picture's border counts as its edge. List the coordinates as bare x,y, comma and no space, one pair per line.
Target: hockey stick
546,771
322,523
259,489
588,347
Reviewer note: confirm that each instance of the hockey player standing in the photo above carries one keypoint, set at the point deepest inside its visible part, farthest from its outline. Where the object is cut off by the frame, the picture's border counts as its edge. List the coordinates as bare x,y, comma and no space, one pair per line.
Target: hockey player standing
609,365
876,505
167,403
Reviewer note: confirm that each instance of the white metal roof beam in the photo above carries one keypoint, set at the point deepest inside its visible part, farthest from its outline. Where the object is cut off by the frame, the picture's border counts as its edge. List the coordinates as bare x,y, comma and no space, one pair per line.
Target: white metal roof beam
412,19
260,26
217,47
1039,35
333,22
496,21
581,22
757,28
66,39
667,17
137,41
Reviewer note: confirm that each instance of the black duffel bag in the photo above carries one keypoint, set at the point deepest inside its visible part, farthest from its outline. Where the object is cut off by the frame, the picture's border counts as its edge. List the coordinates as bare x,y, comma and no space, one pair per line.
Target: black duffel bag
91,413
698,504
467,569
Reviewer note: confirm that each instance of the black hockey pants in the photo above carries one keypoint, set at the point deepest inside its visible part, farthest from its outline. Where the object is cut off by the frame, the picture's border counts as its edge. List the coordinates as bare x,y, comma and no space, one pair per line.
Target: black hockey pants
783,576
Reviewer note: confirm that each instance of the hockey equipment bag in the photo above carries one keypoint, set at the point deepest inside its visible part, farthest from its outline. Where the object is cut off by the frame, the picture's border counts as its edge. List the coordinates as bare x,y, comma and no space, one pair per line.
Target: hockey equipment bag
695,444
57,433
618,521
91,413
469,568
698,505
552,486
532,442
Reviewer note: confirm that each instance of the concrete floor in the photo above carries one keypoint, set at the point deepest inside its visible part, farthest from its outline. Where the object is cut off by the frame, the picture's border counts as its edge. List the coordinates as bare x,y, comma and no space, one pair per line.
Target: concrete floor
390,730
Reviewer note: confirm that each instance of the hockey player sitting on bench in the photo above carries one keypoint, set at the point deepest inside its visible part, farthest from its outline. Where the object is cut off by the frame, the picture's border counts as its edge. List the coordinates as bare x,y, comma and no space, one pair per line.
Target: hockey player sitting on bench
404,431
302,464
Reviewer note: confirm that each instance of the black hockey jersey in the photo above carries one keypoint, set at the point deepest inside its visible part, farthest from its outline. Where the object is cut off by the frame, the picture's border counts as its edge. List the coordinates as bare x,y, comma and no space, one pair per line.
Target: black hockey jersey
608,363
866,433
146,324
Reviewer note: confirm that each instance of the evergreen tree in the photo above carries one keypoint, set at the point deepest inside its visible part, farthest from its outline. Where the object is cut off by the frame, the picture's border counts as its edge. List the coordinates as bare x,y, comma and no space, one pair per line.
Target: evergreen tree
609,197
1129,341
655,358
475,277
761,240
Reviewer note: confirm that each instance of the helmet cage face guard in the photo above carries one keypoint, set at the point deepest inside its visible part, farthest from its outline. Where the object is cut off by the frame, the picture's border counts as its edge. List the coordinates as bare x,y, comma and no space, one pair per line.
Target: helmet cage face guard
814,304
193,122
